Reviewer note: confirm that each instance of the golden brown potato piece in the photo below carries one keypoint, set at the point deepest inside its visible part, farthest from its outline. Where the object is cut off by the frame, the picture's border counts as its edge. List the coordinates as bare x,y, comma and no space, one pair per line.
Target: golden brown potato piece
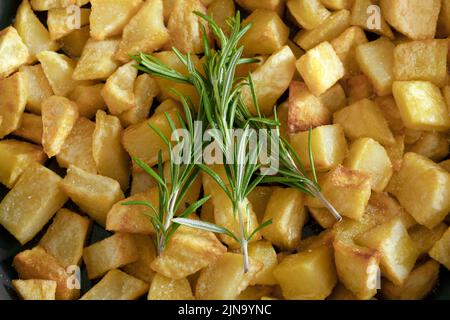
110,157
420,21
322,216
77,148
13,52
305,109
13,98
38,264
117,285
30,128
15,157
425,238
59,115
88,98
44,5
440,250
264,252
309,14
443,28
225,279
74,42
308,275
163,288
417,286
220,11
97,60
267,35
94,194
185,27
35,289
340,292
360,87
366,17
66,236
141,268
38,86
252,5
433,145
110,253
136,33
32,202
109,17
33,33
337,4
62,21
259,197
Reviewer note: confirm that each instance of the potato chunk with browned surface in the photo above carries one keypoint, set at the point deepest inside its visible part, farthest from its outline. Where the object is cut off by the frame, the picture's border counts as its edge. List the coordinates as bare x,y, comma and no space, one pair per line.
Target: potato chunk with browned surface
309,14
251,5
328,146
109,155
440,250
141,268
66,236
321,68
59,116
433,145
423,189
365,16
398,254
117,285
13,98
13,52
30,128
307,275
267,35
220,11
109,17
225,278
417,286
264,252
74,42
416,19
15,157
163,288
62,21
38,264
136,33
35,198
425,238
35,289
110,253
38,86
88,98
44,5
94,194
259,198
443,28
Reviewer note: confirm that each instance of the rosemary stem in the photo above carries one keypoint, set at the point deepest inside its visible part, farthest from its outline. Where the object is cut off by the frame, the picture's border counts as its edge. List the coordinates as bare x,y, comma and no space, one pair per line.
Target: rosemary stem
328,205
244,241
244,246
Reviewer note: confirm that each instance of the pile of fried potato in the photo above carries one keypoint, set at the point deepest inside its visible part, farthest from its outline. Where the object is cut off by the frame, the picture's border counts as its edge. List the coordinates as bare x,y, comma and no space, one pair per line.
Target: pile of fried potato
379,110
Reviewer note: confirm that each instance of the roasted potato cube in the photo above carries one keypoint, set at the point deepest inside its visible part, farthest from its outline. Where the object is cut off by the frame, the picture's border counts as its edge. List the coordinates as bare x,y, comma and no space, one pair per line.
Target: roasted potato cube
364,17
421,105
420,21
255,293
141,268
287,212
110,157
376,60
38,86
369,156
422,60
305,109
117,285
383,207
322,216
308,275
94,194
225,278
364,119
220,11
321,68
188,251
359,87
88,98
32,202
109,17
267,35
44,5
97,61
186,28
328,146
38,264
33,32
13,98
30,128
66,236
74,42
259,198
62,21
118,90
445,165
433,145
133,219
421,178
77,148
357,268
270,81
332,27
337,4
58,69
417,286
441,248
252,5
391,113
13,52
15,157
340,292
398,254
110,253
35,289
135,37
59,116
163,288
334,98
425,238
443,26
142,142
264,252
308,14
